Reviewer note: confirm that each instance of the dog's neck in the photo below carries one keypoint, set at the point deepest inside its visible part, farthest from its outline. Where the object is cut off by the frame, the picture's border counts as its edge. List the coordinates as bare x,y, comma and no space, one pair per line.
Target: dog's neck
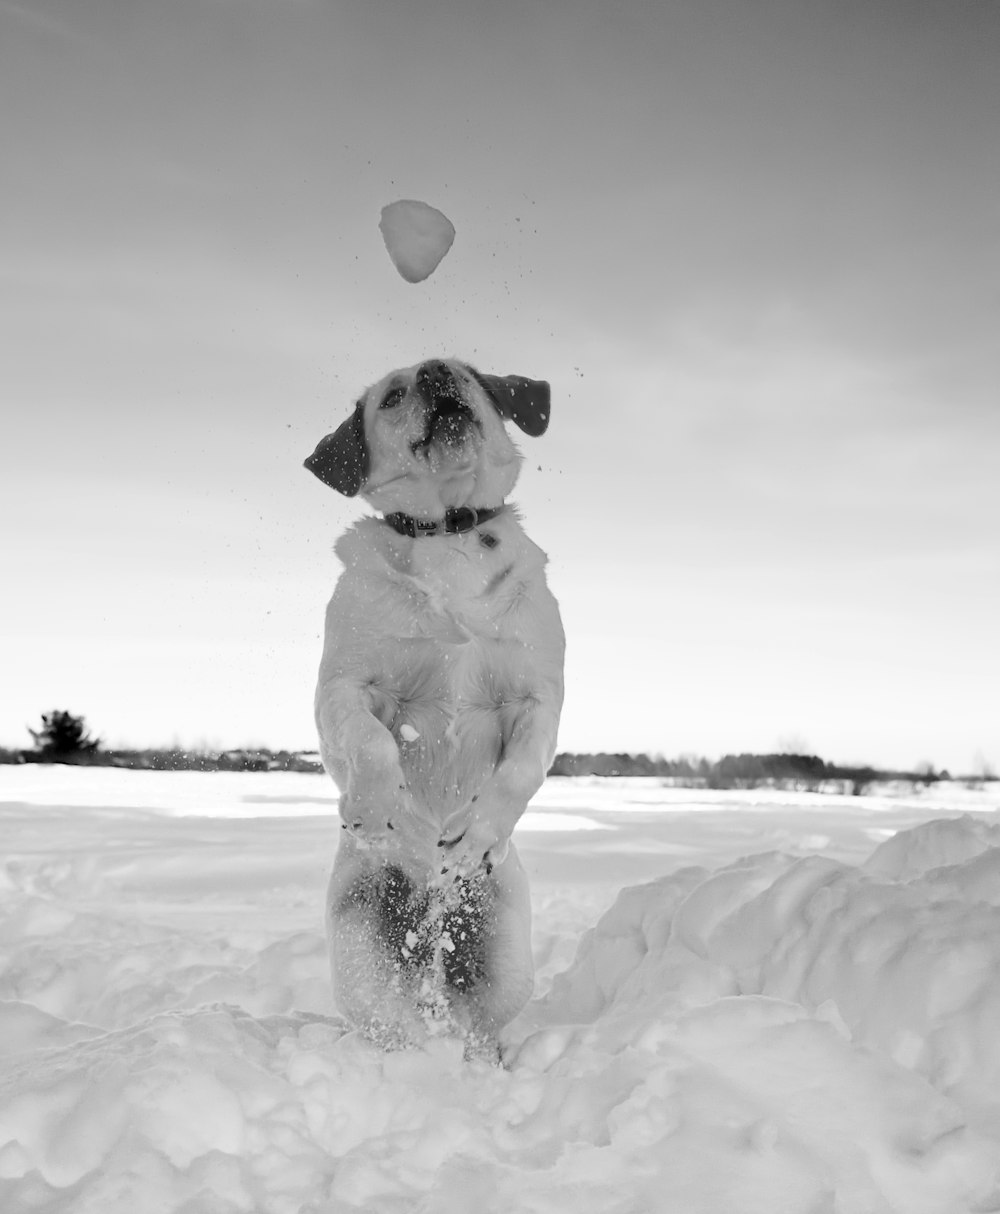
456,520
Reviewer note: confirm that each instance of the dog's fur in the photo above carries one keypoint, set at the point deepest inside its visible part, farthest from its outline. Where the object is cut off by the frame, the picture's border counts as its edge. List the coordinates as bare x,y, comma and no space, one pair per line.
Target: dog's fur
437,708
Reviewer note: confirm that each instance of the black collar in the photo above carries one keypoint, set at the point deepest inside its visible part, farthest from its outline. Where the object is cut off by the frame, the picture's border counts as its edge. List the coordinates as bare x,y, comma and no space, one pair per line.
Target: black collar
456,519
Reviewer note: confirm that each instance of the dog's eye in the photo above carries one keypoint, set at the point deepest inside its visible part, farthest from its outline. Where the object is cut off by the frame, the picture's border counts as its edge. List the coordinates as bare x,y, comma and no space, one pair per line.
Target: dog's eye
393,398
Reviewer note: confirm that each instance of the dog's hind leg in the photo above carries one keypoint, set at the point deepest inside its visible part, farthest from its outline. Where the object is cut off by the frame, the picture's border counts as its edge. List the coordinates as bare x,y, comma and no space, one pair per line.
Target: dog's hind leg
500,969
373,921
399,911
466,925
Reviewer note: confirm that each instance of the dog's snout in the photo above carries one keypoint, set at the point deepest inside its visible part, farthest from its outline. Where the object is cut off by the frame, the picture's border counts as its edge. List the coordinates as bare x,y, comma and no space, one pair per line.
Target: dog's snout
448,416
435,369
435,376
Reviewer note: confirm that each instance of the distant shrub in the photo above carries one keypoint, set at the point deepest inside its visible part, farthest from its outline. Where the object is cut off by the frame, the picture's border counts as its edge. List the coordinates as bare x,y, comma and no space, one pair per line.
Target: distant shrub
63,738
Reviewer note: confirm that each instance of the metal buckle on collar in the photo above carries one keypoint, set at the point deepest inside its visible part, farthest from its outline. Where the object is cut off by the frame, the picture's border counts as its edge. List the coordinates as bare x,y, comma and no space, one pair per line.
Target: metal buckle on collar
461,518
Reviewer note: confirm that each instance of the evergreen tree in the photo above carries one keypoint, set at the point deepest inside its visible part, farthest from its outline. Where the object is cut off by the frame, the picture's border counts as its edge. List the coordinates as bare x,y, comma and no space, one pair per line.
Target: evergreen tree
63,737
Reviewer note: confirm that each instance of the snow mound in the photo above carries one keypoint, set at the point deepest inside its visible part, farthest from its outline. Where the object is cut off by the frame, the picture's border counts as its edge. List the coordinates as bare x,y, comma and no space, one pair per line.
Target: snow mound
933,845
909,968
745,1103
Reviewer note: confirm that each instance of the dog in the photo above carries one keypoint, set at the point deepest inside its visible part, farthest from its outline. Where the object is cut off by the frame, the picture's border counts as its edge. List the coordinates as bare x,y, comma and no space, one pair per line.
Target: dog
437,706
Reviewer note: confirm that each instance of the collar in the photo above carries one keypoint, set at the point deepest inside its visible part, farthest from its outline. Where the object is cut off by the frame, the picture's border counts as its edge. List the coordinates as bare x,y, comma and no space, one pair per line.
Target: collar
456,519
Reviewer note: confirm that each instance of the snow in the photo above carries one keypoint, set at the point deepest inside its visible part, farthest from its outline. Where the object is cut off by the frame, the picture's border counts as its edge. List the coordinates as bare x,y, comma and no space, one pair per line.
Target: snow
755,1001
417,236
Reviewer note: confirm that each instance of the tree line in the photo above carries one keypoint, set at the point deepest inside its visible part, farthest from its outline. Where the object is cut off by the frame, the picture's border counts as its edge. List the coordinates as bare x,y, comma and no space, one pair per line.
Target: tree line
64,737
743,771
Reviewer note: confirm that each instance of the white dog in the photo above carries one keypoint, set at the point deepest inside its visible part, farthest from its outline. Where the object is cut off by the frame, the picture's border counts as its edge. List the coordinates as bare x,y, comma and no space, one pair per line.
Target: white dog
438,703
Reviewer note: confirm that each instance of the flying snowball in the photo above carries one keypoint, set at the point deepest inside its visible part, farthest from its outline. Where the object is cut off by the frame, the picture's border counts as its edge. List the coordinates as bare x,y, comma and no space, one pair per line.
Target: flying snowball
416,236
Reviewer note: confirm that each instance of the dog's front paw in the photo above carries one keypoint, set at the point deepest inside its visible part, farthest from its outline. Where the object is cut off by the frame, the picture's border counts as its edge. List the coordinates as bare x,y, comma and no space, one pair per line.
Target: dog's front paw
475,846
371,820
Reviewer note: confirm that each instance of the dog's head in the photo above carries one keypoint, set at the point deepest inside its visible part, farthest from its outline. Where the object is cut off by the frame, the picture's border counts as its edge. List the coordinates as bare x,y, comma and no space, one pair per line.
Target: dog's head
432,436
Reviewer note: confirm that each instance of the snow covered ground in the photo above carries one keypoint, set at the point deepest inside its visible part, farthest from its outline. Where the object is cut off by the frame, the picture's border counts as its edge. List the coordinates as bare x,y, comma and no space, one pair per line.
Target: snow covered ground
747,1003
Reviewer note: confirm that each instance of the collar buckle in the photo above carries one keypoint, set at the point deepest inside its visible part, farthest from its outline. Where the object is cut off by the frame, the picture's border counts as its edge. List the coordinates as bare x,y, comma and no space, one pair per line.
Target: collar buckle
460,518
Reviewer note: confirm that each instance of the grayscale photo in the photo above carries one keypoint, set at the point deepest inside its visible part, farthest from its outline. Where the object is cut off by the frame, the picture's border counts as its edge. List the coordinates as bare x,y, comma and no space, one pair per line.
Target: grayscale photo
498,651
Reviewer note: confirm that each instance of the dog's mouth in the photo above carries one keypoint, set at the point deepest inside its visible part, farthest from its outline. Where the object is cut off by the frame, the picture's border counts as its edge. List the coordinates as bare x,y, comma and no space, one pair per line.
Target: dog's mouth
449,421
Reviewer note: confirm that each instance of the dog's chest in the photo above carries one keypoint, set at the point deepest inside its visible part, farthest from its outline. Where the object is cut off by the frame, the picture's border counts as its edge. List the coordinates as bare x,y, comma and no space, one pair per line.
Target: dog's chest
457,642
459,593
451,640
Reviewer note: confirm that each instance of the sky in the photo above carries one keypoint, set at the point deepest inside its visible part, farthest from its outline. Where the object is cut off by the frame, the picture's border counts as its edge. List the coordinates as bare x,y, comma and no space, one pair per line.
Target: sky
754,248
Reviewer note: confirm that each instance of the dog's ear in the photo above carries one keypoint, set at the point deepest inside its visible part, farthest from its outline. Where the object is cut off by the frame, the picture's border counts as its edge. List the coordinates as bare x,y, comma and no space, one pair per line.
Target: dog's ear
342,459
525,402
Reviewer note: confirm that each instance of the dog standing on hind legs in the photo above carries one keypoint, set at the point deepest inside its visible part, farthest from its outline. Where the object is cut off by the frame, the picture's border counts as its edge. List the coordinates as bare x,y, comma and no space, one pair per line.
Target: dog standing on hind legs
437,706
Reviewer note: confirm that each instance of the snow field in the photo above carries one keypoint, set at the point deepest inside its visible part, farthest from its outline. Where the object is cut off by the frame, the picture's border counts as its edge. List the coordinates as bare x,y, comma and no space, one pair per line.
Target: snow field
724,1020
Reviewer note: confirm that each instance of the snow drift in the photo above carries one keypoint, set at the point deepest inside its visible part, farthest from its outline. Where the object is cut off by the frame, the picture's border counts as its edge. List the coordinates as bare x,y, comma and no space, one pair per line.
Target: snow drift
785,1032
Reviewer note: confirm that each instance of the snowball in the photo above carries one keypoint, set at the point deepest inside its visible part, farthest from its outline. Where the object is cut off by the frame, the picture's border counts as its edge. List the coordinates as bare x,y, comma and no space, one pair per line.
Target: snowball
417,237
408,733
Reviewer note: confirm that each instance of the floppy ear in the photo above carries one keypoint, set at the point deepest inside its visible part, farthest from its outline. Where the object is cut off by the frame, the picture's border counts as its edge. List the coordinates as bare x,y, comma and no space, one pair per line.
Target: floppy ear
342,460
525,402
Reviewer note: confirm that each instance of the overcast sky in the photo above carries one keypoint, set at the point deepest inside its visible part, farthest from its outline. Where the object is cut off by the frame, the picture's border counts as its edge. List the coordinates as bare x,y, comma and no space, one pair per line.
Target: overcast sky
755,247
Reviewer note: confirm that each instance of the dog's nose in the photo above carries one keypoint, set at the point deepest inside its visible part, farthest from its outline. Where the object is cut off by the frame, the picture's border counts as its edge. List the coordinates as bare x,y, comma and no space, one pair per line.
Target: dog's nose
434,374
